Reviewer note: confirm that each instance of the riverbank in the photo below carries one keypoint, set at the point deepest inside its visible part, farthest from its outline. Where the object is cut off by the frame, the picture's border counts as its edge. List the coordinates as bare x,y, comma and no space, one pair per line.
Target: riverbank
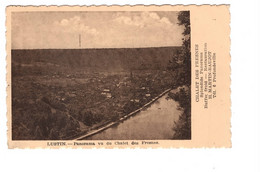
110,124
182,128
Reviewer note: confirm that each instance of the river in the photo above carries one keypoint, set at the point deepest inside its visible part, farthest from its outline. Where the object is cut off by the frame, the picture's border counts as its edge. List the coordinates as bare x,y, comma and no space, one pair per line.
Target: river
154,122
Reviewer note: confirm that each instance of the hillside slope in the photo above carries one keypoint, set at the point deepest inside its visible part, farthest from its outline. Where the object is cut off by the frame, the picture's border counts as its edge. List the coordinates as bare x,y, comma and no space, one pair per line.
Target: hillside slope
103,59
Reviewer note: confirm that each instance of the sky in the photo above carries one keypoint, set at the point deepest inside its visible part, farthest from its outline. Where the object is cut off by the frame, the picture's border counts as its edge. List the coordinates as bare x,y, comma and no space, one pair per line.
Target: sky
125,29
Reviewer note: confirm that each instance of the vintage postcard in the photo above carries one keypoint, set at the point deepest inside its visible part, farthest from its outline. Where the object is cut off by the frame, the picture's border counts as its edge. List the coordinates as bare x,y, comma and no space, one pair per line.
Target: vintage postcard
118,76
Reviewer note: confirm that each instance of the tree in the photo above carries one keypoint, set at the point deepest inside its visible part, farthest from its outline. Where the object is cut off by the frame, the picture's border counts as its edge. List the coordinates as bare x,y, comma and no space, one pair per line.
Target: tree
180,64
184,19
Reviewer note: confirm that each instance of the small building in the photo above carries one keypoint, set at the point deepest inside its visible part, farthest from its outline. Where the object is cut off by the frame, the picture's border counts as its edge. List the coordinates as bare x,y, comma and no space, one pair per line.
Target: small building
106,92
109,95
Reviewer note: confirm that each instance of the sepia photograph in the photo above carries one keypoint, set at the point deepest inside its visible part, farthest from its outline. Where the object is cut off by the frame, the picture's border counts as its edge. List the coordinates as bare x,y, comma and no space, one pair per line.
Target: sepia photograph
101,75
129,85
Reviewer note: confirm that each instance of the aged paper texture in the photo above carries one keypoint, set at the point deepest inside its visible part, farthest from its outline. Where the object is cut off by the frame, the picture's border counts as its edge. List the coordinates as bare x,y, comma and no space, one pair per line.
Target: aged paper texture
118,76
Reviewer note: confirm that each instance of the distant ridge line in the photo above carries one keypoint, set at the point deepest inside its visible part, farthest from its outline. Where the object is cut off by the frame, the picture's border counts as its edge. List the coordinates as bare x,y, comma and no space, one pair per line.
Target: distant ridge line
97,48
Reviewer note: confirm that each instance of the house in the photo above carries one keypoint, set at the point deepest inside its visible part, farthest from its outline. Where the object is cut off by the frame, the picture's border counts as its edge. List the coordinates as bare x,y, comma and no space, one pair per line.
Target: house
147,95
106,92
109,95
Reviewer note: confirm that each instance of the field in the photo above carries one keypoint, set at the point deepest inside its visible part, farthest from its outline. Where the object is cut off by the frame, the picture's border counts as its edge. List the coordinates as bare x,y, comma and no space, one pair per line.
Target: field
57,94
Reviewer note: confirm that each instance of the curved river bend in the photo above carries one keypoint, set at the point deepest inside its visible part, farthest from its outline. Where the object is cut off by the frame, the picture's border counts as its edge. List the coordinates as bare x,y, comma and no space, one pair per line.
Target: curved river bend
152,123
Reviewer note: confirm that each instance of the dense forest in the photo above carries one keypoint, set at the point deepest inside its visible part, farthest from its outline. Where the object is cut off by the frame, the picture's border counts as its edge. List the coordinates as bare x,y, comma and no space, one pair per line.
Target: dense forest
109,59
182,72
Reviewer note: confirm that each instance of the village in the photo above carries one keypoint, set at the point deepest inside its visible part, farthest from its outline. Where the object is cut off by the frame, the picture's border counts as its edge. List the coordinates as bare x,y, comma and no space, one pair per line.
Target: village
108,97
85,100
